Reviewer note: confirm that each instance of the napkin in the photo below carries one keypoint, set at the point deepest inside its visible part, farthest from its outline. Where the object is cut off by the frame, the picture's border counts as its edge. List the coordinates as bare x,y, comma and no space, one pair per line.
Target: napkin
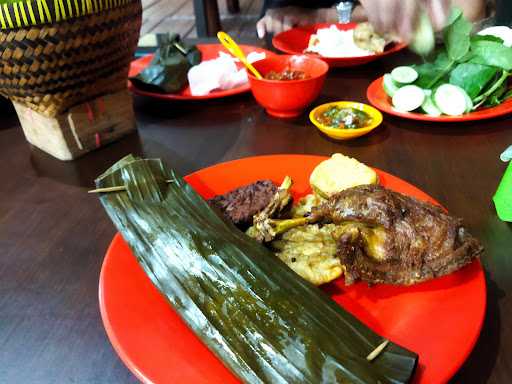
503,197
219,73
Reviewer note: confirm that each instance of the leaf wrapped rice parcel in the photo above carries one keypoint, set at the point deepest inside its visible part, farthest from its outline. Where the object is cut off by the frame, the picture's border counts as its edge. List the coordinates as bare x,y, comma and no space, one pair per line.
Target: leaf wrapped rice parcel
167,72
262,320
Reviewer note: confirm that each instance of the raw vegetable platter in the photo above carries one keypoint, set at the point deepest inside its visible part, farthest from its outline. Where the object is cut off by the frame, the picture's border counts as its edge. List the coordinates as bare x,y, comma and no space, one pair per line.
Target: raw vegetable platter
464,80
208,52
158,347
380,100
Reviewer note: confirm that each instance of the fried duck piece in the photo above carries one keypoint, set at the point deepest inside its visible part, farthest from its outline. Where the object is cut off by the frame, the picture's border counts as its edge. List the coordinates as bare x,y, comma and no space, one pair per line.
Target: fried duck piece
386,237
265,227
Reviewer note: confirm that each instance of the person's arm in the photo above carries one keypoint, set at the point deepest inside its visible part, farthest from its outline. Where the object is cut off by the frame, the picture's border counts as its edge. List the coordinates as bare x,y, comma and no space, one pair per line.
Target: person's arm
281,15
399,17
474,10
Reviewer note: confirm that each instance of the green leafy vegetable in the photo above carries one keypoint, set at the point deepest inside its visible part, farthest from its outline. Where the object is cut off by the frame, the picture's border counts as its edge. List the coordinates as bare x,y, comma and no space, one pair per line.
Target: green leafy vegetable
431,73
262,320
495,98
476,38
507,95
492,53
167,72
479,65
428,73
456,36
480,100
472,77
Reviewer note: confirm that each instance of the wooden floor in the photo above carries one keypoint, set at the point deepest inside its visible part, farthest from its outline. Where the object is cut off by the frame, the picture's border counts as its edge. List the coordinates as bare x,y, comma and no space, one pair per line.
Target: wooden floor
162,16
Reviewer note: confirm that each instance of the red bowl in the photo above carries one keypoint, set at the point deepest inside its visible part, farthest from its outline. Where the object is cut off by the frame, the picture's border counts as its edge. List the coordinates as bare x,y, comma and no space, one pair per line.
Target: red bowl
288,98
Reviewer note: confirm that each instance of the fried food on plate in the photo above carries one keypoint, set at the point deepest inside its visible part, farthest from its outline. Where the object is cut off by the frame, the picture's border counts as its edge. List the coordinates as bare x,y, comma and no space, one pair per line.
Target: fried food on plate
310,250
351,226
387,237
338,173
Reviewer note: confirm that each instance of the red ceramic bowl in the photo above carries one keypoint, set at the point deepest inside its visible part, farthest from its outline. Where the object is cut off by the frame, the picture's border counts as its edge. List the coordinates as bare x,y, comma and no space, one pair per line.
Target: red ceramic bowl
288,98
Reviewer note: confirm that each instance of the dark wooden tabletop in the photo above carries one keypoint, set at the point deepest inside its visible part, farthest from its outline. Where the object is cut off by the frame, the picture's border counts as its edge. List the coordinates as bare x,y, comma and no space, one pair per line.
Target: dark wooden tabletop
53,235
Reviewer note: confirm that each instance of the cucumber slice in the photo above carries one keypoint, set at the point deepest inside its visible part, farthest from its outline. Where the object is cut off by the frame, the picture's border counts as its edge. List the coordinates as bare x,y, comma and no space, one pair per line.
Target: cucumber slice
430,108
451,99
404,75
390,87
408,98
428,92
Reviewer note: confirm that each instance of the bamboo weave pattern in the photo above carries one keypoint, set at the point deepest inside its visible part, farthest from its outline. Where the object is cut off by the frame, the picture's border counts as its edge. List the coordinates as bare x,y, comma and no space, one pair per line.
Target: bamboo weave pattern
79,56
37,12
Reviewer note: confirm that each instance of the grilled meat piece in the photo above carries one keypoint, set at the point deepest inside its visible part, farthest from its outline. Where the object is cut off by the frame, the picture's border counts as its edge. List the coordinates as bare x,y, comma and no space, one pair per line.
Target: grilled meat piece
386,237
241,204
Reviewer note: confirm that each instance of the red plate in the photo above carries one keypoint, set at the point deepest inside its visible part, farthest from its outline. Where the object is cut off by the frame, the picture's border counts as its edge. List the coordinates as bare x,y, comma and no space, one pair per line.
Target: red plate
208,52
380,100
440,319
296,40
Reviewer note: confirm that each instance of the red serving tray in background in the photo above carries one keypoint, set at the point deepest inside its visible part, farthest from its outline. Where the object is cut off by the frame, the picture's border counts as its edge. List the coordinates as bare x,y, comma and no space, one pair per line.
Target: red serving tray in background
295,41
208,52
439,319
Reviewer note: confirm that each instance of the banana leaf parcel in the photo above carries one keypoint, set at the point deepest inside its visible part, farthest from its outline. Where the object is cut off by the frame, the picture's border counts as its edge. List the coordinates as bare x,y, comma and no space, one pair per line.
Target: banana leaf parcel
167,71
263,321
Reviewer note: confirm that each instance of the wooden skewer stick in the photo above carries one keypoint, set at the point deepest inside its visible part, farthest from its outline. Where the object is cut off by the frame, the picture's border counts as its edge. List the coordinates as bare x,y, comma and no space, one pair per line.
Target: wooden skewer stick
116,189
180,48
376,352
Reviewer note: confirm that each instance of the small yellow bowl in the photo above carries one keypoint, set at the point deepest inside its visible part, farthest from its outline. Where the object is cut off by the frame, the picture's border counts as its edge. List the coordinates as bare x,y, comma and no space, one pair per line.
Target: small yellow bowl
346,134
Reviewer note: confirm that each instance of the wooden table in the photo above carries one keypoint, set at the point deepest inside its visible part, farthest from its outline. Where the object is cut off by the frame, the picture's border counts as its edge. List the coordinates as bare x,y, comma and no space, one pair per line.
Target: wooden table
53,235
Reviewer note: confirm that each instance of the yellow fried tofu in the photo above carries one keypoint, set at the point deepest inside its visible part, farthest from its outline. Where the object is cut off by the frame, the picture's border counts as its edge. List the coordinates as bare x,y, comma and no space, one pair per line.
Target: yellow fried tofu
338,173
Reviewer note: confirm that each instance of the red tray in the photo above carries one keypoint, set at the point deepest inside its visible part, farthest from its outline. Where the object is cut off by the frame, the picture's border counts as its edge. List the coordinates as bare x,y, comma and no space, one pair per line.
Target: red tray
439,319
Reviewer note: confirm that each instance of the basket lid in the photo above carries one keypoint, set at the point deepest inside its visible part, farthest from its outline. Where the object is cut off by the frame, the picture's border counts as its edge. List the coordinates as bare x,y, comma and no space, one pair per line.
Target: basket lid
20,14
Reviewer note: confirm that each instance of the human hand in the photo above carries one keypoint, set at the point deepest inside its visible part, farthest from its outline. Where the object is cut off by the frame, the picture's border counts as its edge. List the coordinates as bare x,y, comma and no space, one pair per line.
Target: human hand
277,20
399,17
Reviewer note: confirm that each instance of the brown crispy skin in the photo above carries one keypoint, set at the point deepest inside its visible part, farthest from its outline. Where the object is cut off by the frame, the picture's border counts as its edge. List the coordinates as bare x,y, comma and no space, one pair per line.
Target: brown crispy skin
421,242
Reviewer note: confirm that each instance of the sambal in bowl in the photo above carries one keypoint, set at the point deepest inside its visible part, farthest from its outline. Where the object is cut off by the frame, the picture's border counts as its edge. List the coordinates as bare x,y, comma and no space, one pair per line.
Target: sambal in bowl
290,83
344,120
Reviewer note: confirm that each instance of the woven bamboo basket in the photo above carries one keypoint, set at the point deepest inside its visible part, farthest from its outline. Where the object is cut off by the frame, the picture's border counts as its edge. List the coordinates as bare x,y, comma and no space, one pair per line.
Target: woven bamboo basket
58,56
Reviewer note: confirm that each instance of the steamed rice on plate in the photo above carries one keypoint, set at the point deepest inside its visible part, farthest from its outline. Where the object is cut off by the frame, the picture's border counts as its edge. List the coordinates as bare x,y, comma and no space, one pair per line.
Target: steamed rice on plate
333,42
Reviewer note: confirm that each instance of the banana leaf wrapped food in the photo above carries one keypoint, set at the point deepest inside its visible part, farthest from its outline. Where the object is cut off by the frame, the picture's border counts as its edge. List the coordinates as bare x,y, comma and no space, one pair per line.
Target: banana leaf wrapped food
264,322
167,71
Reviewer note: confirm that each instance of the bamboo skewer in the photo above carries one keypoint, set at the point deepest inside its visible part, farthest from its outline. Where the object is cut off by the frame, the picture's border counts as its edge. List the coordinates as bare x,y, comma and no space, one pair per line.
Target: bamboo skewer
376,352
180,48
118,188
